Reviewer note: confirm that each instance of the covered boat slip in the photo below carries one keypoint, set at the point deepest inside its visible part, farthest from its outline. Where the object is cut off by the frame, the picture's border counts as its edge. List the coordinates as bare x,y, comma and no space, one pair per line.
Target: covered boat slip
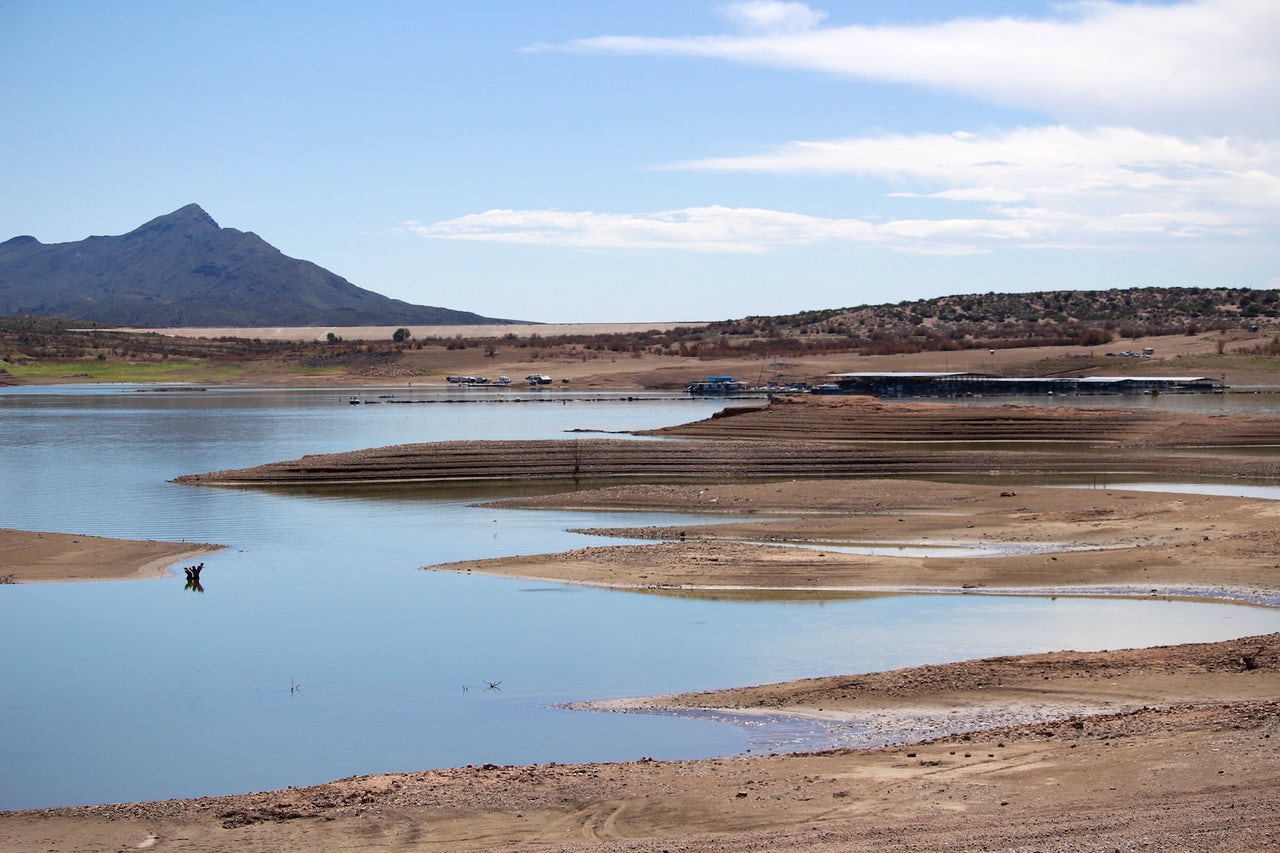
963,384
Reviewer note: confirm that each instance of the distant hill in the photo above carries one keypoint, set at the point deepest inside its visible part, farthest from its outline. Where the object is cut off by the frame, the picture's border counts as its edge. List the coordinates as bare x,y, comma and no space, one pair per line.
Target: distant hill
1003,320
183,269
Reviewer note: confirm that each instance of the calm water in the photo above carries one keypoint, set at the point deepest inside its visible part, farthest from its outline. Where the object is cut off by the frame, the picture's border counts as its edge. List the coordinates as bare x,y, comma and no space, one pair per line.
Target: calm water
142,690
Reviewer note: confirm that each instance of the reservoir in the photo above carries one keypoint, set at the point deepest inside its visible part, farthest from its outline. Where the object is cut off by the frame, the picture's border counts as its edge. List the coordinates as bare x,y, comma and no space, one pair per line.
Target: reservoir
318,650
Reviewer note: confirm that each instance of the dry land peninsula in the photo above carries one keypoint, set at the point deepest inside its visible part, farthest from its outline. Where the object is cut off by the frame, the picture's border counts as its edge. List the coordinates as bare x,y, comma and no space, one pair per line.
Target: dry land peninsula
1170,748
28,556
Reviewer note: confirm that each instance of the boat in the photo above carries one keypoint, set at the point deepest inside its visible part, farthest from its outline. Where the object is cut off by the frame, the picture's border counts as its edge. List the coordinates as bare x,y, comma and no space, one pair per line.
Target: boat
716,385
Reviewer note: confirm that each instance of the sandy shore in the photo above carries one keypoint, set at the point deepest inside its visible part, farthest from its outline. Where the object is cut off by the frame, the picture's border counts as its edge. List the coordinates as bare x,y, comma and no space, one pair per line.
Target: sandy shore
1177,752
815,436
787,538
28,556
1157,749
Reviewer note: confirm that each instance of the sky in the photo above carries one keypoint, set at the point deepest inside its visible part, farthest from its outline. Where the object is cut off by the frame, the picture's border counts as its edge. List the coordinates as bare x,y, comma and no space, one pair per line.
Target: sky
664,160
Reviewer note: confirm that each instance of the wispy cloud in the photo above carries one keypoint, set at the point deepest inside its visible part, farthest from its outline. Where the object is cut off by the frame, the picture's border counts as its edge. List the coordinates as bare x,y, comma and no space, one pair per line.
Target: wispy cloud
724,230
1208,65
769,16
1108,168
1185,154
718,229
1041,187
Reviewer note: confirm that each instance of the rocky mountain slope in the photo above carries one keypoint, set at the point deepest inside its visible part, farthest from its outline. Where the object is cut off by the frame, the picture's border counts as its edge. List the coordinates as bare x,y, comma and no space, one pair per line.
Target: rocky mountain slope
183,269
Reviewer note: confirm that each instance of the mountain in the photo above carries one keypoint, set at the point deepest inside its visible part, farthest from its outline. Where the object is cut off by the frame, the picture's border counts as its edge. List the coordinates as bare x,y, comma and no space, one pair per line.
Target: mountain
183,269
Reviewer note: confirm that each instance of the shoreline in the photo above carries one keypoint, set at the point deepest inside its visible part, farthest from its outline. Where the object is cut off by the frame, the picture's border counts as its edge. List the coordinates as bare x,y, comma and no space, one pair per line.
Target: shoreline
922,703
33,556
1169,747
1244,597
1163,747
784,538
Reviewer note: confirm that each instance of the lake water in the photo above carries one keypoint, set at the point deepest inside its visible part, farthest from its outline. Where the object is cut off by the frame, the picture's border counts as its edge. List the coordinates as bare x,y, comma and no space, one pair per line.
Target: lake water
318,650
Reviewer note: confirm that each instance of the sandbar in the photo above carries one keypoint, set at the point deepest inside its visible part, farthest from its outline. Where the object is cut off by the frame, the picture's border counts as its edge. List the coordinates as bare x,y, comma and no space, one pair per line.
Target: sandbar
802,536
29,556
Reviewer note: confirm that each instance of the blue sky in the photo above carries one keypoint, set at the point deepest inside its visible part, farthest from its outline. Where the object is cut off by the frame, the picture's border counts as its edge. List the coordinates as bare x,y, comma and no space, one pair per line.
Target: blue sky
584,161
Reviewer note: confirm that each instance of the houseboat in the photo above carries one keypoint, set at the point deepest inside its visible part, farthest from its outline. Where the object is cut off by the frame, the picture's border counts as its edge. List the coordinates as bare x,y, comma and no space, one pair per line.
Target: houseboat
716,385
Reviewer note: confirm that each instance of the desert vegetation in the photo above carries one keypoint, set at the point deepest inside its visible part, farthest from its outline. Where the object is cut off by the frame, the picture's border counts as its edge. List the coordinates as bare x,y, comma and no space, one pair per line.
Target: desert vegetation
950,323
1086,319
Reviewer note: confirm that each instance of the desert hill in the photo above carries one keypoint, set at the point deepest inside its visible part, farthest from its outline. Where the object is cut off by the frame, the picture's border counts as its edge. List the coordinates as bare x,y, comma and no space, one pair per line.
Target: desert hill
183,269
1006,320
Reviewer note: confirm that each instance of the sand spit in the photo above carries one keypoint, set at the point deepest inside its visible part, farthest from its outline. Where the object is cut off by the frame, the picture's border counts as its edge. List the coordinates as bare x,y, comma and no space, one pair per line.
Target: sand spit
575,460
29,556
824,436
1087,541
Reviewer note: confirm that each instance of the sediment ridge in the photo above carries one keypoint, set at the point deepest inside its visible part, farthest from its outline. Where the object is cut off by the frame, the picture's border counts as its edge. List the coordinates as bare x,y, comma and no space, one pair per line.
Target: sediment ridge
817,436
869,419
730,459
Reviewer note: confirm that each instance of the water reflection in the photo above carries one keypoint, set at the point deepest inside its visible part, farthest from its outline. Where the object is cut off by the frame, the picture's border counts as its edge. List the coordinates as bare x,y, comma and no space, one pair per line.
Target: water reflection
193,577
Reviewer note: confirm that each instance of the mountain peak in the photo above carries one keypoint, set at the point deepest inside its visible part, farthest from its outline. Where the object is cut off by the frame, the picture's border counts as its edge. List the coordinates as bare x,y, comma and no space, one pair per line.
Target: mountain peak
188,217
184,269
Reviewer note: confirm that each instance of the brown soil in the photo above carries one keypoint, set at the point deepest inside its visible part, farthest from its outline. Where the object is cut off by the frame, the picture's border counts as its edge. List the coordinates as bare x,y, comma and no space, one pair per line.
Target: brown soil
28,556
1189,763
868,419
1052,539
825,436
1175,355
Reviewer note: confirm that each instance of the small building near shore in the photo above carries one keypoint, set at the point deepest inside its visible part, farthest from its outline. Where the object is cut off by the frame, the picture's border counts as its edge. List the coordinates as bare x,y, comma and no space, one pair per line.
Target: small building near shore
965,384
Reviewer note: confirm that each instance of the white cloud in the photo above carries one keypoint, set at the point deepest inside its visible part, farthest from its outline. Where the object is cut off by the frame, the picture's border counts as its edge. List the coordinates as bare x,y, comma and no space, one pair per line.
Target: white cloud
770,16
1030,187
724,230
1182,91
709,229
749,230
1108,168
1209,65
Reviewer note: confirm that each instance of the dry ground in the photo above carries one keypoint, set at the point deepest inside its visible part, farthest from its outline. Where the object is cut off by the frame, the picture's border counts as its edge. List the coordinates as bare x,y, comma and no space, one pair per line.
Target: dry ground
814,436
1175,355
28,556
1051,539
1193,767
